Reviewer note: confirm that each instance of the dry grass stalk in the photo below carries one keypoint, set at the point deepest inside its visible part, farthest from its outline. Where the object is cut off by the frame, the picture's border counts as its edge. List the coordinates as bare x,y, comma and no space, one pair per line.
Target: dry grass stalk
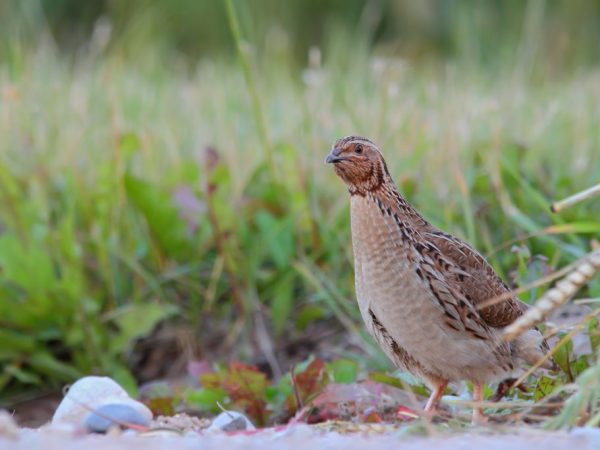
536,283
555,297
575,198
576,329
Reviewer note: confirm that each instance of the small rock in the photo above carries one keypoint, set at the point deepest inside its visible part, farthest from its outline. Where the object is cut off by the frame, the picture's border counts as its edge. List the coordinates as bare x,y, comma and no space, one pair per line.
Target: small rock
113,415
90,393
8,426
182,422
231,421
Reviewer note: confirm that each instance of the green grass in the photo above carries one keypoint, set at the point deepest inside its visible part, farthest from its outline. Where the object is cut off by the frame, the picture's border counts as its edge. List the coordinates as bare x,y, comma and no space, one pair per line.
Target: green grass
115,216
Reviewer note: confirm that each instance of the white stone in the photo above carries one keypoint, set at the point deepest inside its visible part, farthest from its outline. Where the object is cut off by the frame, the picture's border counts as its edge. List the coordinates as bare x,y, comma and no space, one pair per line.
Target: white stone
89,393
231,421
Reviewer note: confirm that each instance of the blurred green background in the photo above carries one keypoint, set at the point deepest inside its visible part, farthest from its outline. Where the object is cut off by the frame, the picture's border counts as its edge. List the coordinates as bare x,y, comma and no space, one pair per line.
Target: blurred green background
555,35
164,197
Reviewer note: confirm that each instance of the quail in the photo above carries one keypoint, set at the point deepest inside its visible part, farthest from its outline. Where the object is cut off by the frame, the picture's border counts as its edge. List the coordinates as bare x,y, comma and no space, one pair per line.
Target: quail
422,292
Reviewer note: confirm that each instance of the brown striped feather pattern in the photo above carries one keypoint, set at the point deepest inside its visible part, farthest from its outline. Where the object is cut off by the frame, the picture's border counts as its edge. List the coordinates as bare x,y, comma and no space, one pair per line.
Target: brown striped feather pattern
418,288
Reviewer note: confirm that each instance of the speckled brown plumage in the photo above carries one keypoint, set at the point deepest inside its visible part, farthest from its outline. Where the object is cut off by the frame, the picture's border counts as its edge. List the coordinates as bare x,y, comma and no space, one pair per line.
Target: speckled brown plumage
420,290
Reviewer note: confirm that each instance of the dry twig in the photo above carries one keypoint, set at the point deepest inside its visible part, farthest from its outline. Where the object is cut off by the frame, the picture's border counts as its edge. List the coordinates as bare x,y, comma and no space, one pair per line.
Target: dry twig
533,284
555,297
575,198
576,329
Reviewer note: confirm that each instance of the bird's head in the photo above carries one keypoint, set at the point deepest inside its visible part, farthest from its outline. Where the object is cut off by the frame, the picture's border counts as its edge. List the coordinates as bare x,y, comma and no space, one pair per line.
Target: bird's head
358,162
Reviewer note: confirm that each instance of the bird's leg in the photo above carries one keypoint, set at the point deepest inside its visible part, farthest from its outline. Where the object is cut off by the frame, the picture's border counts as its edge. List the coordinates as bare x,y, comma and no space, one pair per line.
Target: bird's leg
435,396
478,416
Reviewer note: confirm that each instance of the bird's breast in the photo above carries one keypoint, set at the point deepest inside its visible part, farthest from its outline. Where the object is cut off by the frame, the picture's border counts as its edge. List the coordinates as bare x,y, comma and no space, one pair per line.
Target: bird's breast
385,276
389,289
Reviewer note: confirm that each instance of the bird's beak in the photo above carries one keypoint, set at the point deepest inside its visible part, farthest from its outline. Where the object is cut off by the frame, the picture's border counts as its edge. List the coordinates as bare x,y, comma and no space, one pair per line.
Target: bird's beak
334,156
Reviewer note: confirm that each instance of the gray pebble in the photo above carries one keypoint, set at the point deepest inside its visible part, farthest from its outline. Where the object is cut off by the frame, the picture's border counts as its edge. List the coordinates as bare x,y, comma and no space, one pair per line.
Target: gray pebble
113,414
231,421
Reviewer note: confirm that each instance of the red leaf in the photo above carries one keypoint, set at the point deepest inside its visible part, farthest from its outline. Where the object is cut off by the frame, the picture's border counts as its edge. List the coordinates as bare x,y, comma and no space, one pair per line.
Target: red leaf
372,416
246,387
404,413
308,384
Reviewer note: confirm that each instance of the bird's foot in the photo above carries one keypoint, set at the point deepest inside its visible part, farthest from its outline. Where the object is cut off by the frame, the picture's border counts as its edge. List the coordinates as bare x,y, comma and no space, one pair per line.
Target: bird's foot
479,418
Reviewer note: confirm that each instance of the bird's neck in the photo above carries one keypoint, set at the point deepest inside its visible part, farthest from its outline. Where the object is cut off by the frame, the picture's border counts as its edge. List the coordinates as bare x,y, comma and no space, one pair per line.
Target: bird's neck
390,201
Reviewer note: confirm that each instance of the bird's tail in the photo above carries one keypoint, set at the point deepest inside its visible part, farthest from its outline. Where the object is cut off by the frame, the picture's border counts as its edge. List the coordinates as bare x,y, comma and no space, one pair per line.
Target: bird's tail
532,347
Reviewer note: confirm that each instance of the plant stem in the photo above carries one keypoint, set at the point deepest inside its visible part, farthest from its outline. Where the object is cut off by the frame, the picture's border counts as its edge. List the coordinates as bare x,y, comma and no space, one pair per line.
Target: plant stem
246,69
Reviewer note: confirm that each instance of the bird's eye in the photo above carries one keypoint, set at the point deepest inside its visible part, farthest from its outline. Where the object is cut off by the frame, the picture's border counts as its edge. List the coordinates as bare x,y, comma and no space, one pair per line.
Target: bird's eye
358,149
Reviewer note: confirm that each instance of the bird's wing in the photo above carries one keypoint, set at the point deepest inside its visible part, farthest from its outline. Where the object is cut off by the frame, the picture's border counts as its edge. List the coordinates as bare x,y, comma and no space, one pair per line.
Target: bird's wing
477,281
437,271
468,272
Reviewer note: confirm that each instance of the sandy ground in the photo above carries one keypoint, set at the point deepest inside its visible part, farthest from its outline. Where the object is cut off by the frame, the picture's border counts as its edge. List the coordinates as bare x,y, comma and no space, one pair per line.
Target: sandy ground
301,437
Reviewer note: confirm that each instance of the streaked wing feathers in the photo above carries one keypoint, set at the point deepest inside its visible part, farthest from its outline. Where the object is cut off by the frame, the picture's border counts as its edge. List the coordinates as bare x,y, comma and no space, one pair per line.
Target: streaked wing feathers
481,282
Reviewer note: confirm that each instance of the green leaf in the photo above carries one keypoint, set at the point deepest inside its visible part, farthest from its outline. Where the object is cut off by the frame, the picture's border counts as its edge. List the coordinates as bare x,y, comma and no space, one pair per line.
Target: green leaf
562,356
13,344
162,406
124,377
343,370
308,315
579,365
401,381
384,378
47,364
277,236
137,320
21,375
129,144
207,398
545,386
29,266
167,228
